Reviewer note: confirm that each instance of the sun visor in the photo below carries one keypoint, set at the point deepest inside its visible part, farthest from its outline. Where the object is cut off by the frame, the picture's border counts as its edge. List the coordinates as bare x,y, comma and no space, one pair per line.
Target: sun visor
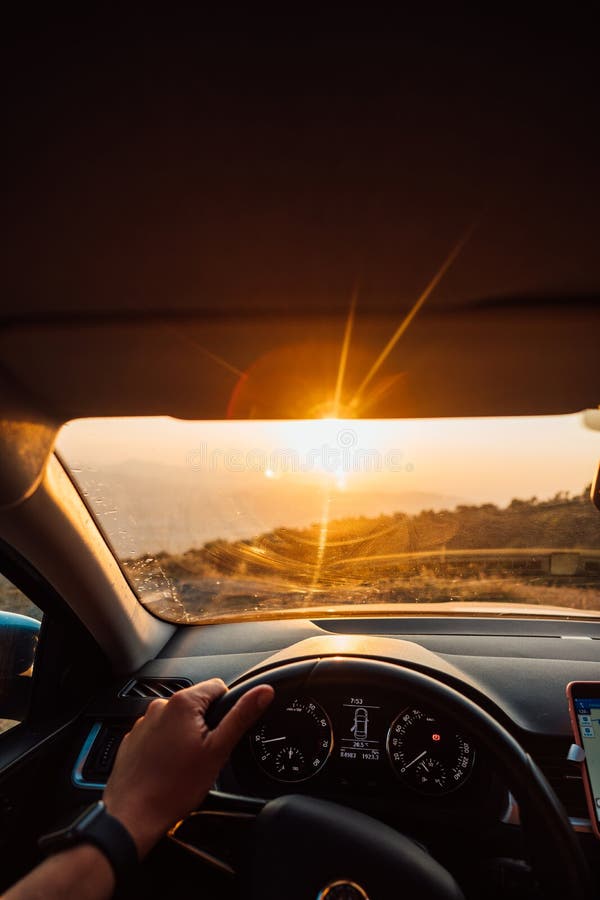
481,360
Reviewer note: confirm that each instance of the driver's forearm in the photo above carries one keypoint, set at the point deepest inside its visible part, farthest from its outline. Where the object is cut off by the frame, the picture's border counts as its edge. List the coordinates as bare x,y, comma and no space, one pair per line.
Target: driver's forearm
82,873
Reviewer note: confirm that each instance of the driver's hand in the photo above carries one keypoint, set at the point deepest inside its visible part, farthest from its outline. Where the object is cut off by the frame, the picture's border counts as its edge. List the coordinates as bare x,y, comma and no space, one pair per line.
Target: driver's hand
170,759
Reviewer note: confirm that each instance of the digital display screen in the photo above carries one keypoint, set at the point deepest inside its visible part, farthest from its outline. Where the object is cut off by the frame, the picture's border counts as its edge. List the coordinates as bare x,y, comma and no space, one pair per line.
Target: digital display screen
360,735
587,711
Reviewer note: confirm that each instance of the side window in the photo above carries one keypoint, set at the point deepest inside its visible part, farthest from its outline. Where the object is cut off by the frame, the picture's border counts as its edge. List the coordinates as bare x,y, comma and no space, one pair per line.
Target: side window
19,626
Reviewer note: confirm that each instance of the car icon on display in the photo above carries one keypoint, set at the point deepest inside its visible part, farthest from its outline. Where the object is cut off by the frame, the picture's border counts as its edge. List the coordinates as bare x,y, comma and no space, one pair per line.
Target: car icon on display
361,724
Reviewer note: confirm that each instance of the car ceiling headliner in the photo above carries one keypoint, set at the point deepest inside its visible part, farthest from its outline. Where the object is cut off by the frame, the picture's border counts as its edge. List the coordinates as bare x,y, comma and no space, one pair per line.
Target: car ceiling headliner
171,164
191,210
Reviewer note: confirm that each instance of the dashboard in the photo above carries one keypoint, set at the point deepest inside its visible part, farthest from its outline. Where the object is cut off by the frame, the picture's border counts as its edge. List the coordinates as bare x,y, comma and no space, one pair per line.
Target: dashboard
516,669
362,742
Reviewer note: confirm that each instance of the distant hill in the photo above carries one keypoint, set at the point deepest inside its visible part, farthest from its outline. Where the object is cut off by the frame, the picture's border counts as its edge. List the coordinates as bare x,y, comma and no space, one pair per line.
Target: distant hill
359,547
149,507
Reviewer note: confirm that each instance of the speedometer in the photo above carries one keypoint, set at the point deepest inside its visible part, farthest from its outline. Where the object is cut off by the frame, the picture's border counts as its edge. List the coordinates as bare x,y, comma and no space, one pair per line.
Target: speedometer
293,741
427,754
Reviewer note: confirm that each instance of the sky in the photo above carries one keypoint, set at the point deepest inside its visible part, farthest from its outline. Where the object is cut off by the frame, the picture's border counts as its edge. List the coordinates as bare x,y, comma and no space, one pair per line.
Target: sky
163,483
491,458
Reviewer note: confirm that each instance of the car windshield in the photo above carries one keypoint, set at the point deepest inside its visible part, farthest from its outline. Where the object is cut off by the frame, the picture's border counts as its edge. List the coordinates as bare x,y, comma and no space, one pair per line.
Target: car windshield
229,520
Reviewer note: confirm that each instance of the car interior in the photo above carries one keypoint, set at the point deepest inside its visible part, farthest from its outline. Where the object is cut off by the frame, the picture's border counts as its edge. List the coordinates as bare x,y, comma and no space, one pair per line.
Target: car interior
248,430
359,679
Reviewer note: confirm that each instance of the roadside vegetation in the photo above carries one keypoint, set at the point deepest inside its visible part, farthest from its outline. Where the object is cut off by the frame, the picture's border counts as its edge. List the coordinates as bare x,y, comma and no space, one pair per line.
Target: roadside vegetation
540,551
432,556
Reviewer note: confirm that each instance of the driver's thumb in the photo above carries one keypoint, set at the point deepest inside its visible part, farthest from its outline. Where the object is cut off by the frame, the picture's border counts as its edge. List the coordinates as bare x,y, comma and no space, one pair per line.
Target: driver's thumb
240,718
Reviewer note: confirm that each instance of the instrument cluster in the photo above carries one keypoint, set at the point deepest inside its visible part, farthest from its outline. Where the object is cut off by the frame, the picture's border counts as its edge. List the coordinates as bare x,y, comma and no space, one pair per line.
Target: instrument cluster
355,739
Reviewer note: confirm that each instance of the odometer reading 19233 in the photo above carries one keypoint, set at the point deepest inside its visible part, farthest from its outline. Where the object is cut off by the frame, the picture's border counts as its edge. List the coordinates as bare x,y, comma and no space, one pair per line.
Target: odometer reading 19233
428,755
293,741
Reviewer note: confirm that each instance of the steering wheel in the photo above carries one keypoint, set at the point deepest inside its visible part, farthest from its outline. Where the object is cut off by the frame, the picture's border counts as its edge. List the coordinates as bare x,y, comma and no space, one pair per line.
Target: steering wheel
354,856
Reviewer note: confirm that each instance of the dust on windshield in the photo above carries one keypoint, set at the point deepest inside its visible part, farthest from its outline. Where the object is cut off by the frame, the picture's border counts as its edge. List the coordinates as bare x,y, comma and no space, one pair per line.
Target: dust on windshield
249,519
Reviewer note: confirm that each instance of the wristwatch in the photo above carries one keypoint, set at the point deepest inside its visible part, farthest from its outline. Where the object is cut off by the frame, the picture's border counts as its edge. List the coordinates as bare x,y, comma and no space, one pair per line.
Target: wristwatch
96,826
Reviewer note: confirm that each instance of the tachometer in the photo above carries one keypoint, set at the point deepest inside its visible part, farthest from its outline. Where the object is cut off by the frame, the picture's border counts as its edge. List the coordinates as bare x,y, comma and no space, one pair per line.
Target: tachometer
428,755
293,741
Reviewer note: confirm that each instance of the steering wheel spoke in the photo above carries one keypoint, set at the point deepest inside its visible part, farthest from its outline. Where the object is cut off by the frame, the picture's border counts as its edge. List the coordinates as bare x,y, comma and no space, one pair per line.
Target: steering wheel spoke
219,832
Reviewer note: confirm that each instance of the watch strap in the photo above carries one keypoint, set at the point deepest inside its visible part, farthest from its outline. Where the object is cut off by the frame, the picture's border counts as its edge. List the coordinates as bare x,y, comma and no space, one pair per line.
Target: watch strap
96,826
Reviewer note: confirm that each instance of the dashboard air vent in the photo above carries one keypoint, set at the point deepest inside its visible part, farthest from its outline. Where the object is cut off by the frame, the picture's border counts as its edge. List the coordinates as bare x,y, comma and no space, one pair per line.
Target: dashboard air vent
567,782
96,758
151,688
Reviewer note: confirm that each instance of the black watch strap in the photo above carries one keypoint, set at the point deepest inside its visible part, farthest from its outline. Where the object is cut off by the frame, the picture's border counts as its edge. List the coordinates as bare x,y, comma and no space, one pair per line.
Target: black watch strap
96,826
